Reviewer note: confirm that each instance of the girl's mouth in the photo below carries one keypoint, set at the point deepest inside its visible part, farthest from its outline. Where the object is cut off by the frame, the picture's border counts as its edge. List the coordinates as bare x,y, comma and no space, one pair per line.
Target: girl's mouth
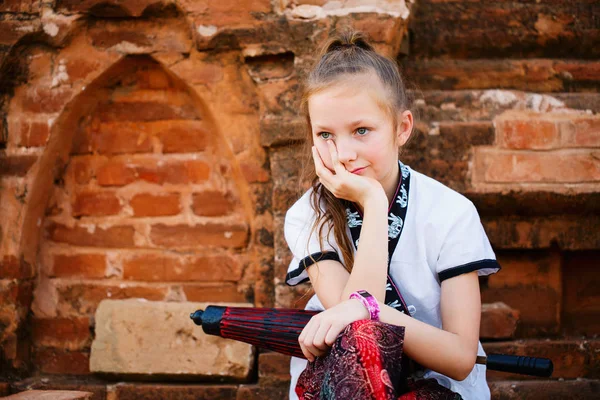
358,170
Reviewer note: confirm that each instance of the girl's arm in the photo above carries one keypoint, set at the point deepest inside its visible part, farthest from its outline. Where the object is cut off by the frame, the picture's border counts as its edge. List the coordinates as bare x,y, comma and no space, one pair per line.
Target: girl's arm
333,284
451,350
331,281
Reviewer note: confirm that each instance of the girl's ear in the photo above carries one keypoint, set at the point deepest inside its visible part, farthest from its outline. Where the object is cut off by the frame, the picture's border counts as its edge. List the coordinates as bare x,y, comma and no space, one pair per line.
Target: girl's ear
405,126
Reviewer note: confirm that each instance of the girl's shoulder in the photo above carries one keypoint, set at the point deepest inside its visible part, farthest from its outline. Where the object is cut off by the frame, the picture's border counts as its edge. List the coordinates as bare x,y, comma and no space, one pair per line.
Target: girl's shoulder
435,198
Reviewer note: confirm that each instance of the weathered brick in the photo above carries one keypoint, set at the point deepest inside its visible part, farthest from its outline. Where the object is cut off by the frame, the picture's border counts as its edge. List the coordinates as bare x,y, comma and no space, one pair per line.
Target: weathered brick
560,166
570,357
267,390
52,394
79,265
154,267
90,384
211,203
581,132
39,99
77,299
273,367
149,391
527,132
528,268
55,361
12,268
152,205
183,136
141,111
224,292
82,169
91,203
94,236
498,321
231,235
581,305
276,131
118,172
62,333
579,389
34,133
539,307
113,138
571,232
16,165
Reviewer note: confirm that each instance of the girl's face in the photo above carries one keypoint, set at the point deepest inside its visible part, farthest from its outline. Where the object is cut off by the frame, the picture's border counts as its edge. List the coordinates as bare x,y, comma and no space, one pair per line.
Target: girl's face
363,132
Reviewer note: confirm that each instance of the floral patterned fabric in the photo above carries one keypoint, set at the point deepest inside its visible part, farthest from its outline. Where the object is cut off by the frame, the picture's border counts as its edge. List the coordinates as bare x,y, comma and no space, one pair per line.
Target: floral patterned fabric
366,362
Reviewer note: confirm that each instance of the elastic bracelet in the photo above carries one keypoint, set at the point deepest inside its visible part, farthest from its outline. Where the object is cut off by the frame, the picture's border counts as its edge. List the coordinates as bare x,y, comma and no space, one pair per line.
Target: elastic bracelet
369,302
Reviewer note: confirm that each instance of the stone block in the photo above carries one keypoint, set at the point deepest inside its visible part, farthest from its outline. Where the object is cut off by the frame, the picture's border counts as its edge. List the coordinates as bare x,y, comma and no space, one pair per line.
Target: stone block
50,395
498,321
135,337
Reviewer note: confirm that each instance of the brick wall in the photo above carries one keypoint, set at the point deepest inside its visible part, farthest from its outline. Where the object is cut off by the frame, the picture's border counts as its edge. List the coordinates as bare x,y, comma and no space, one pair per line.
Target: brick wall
151,149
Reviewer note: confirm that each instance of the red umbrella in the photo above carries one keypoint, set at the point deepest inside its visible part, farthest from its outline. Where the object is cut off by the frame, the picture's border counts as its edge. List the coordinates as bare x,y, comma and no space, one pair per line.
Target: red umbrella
278,329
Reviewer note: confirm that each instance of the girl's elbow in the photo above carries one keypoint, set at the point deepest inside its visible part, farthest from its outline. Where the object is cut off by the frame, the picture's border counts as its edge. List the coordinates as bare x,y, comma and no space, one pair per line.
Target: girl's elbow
463,368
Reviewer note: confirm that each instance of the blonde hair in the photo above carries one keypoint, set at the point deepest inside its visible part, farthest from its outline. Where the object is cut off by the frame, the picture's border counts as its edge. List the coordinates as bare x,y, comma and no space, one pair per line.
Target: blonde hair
342,56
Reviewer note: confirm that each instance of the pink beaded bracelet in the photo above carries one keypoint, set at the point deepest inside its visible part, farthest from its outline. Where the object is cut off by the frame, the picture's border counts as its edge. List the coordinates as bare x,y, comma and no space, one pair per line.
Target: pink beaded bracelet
369,302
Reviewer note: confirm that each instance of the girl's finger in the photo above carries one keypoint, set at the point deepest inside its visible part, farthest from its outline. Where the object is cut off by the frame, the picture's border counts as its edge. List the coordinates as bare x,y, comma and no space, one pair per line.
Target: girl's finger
332,334
320,168
319,340
337,166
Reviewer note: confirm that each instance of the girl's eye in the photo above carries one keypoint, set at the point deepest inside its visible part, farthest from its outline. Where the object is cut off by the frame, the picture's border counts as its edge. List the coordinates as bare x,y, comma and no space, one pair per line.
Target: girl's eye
362,131
325,135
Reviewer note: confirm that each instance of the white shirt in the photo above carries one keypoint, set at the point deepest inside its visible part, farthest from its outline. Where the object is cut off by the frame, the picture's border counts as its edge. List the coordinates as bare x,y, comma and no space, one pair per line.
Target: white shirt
442,237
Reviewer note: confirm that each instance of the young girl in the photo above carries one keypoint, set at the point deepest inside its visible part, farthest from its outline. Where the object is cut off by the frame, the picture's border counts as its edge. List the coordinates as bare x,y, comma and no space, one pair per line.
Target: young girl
381,242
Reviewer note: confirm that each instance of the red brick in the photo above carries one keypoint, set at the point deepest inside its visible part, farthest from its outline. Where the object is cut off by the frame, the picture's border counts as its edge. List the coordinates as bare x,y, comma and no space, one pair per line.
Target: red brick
581,132
157,391
580,70
83,169
570,357
16,165
183,136
159,171
116,173
152,267
83,299
254,173
561,166
113,138
498,321
214,293
232,235
79,265
20,6
62,333
55,361
212,203
115,236
264,390
152,205
95,204
527,133
34,133
273,367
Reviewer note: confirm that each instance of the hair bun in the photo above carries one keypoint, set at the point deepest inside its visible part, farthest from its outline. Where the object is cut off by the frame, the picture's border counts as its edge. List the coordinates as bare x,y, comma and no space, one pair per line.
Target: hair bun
347,39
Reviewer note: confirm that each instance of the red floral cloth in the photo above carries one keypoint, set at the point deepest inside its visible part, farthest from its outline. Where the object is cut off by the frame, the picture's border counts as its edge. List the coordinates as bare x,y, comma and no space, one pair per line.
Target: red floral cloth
366,362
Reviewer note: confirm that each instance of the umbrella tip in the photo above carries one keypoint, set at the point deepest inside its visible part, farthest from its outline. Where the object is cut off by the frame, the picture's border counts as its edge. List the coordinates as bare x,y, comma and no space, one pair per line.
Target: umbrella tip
197,317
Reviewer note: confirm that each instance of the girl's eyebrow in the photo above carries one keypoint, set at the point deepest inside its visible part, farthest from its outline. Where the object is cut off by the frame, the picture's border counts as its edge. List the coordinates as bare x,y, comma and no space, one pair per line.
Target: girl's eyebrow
353,123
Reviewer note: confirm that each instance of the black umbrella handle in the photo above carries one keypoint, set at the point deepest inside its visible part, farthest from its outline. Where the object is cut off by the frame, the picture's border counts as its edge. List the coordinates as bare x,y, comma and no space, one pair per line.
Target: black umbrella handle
534,366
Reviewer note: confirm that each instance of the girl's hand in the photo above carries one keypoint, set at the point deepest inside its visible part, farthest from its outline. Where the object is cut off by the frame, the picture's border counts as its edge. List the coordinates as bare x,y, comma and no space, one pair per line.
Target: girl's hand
322,330
342,183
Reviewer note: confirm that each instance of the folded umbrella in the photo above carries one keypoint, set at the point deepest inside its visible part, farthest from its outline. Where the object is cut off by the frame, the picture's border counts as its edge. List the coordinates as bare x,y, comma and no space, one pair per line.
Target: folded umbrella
278,329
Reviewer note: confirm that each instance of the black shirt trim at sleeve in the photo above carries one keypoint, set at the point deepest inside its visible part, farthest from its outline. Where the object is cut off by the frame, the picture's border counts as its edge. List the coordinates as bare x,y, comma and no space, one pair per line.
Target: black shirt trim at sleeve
466,268
307,262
